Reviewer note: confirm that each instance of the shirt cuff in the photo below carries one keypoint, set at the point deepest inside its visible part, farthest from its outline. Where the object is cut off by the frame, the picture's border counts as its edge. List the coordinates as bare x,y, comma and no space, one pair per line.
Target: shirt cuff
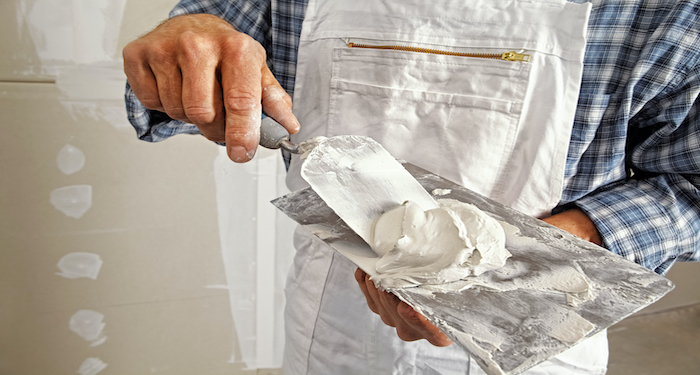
153,126
633,224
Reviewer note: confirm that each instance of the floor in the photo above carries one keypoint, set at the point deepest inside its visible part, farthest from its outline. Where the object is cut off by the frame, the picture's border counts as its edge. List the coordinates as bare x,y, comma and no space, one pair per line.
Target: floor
664,342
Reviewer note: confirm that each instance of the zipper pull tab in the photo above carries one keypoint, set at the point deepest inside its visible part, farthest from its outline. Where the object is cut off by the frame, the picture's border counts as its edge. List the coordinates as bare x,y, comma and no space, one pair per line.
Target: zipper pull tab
514,56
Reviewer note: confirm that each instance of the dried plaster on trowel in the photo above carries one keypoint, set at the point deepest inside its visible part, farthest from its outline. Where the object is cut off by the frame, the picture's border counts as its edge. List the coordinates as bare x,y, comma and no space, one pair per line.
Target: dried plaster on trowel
458,246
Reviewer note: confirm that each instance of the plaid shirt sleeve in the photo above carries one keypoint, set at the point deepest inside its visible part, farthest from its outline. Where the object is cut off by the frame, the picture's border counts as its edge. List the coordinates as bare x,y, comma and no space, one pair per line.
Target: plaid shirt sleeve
252,18
634,159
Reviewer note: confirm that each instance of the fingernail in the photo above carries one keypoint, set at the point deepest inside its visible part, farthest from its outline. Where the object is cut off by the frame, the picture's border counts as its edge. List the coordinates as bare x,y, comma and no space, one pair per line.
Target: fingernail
240,155
296,126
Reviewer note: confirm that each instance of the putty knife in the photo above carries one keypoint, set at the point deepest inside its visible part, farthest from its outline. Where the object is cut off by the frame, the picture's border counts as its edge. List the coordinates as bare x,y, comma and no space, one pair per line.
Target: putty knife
508,319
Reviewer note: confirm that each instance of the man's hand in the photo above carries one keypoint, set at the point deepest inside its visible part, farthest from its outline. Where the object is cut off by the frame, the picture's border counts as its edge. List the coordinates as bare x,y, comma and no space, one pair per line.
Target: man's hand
197,68
410,325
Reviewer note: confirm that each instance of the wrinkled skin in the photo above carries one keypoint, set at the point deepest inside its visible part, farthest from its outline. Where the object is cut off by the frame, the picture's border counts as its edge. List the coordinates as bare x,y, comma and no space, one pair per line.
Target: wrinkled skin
197,68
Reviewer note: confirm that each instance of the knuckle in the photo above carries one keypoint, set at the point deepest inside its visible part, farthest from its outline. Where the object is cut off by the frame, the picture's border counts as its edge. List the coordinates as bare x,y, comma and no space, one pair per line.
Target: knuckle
175,112
275,93
215,137
131,53
160,53
240,102
200,114
153,103
387,320
240,47
406,334
193,47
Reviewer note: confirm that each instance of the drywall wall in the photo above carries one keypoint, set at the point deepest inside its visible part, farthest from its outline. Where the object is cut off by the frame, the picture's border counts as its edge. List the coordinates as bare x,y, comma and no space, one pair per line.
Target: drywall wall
120,256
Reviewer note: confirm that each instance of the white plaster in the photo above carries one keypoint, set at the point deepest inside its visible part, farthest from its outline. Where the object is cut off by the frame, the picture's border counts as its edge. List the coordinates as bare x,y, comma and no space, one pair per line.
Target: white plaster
73,201
88,325
91,366
70,159
79,31
78,43
567,326
436,246
76,265
94,91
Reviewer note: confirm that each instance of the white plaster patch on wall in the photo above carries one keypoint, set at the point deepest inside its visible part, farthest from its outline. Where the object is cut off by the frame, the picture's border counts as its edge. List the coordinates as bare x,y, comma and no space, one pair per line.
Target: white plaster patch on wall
76,31
77,42
91,366
73,201
88,325
77,265
70,159
95,91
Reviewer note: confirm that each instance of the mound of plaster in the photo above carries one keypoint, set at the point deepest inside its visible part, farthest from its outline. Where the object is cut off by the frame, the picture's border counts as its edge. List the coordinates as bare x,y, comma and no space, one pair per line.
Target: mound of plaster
438,246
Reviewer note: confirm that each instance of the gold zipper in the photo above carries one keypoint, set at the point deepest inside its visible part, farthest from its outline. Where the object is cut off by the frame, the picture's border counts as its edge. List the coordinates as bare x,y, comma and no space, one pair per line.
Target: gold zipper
506,56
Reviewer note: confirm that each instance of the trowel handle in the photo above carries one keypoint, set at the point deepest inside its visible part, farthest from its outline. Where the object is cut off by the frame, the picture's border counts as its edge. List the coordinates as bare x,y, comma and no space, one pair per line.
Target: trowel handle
272,133
275,136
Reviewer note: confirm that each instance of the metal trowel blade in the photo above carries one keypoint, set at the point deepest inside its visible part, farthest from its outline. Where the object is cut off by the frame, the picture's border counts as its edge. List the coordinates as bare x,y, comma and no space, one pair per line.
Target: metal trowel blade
360,180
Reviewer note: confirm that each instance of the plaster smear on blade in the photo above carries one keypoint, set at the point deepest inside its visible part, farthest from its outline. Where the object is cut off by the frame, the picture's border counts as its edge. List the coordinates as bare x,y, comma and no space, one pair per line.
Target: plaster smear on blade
441,192
437,246
306,147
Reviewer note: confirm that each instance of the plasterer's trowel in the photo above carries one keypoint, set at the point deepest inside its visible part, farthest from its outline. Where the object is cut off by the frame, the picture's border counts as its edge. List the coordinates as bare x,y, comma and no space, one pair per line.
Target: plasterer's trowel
508,319
354,175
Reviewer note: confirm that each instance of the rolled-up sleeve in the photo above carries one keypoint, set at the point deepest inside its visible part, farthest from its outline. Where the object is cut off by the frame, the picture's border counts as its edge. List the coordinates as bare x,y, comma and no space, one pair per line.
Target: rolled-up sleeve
653,217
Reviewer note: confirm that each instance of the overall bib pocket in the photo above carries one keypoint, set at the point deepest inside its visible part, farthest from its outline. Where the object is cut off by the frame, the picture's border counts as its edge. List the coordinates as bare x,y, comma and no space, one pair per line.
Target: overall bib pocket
437,103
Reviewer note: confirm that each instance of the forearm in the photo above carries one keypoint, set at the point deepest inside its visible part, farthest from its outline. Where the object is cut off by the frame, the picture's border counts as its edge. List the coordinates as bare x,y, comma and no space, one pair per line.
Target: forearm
652,222
577,223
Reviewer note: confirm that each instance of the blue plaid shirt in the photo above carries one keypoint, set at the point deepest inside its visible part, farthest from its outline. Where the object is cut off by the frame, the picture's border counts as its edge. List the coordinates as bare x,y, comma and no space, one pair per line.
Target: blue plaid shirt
634,158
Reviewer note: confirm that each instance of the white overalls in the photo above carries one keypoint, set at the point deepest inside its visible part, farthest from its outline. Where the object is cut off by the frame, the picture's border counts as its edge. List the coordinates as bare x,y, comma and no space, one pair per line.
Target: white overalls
500,128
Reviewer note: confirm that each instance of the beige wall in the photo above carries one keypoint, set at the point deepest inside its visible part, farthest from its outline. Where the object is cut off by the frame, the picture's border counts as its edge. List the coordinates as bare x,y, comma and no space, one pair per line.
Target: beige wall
153,217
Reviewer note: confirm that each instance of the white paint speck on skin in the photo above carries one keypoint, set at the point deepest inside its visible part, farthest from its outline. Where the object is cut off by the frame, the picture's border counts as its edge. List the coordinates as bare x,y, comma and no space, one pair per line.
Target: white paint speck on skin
73,201
91,366
88,325
76,265
70,159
